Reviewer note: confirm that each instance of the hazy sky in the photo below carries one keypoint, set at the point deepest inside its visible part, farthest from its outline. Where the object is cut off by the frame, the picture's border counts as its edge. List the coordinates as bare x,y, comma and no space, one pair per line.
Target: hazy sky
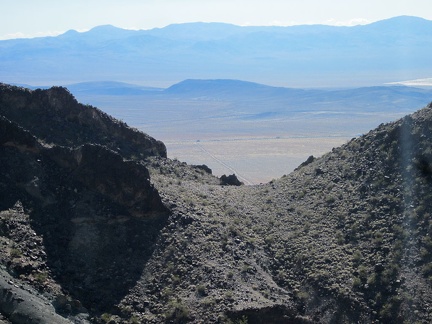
29,18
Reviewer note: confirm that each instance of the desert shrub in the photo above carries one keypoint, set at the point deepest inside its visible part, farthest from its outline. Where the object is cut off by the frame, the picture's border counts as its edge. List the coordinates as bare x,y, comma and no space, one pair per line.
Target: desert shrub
208,302
106,317
363,272
390,273
378,238
357,257
302,295
201,290
427,242
134,319
356,283
340,238
175,279
229,295
371,280
177,311
15,253
330,199
427,270
167,292
390,309
243,320
41,277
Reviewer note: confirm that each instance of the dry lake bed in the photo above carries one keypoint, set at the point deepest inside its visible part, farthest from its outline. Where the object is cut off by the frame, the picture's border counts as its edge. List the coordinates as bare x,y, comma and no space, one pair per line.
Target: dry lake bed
253,160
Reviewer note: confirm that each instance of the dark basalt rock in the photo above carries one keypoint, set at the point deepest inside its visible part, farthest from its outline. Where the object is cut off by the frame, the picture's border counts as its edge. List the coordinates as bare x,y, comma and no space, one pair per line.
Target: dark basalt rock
203,167
309,160
230,180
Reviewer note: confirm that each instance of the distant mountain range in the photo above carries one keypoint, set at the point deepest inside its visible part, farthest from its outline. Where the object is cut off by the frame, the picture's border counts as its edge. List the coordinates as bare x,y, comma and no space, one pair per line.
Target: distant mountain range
391,50
196,106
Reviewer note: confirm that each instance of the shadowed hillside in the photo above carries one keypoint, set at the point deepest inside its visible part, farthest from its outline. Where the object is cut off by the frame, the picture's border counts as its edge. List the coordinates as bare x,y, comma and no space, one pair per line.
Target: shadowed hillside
342,239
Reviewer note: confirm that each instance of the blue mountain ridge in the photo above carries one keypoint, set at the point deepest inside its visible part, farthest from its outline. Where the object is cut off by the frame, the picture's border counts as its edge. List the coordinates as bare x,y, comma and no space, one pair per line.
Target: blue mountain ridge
298,56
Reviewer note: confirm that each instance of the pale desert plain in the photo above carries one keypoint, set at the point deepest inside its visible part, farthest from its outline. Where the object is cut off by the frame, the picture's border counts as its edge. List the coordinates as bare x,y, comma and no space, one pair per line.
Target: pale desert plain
256,140
253,160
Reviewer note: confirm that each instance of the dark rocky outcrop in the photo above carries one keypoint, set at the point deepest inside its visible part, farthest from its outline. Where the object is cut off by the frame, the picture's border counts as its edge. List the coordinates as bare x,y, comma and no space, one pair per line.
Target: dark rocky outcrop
99,216
309,160
24,305
204,168
230,180
54,116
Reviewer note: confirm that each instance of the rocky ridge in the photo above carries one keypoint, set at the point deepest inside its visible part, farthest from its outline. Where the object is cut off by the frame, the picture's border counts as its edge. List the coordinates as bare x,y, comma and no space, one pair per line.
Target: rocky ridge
345,238
55,117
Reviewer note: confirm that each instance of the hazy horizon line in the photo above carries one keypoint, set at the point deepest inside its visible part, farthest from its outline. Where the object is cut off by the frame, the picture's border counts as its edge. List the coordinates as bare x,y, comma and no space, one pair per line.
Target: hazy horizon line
329,22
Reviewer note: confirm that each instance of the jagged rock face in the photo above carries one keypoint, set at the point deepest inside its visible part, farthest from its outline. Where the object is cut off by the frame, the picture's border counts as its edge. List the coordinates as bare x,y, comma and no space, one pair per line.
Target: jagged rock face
55,116
99,215
230,180
125,182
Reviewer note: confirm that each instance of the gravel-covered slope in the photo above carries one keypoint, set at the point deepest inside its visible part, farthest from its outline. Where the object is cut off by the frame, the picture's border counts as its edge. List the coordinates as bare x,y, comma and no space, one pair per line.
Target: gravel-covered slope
344,238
